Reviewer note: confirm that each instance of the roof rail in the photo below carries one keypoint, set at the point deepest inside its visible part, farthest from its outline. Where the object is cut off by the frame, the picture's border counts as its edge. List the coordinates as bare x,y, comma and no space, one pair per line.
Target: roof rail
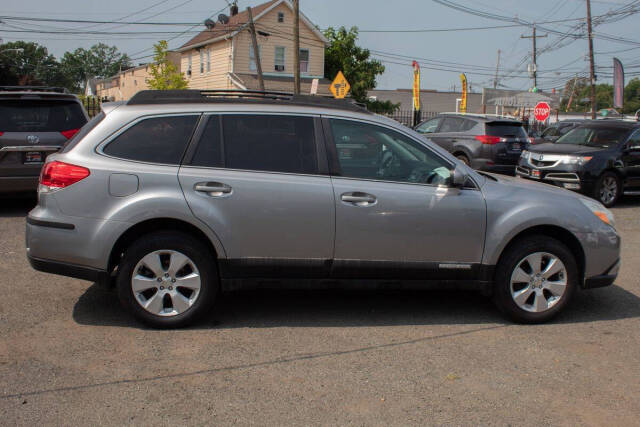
33,89
189,96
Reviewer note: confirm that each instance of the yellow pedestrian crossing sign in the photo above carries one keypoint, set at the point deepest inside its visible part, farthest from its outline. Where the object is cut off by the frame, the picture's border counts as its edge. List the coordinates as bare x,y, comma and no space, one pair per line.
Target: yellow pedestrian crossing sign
339,86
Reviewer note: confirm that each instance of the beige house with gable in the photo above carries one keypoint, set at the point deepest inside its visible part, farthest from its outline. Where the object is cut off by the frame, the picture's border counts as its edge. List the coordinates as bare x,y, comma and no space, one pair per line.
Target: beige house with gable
222,57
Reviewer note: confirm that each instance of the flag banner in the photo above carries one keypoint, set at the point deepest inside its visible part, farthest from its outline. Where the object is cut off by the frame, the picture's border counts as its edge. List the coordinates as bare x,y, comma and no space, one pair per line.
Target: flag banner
463,102
618,83
416,86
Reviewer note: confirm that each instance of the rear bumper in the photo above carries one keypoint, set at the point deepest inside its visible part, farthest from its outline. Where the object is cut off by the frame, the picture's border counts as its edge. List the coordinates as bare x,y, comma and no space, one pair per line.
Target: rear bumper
69,270
15,184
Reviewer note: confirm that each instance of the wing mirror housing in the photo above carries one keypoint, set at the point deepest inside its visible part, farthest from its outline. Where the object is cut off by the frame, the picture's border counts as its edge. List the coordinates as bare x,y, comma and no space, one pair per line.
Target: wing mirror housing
458,177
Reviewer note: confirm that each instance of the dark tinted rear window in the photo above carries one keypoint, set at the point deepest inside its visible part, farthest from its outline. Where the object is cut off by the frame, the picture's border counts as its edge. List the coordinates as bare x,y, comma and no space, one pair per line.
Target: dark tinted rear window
18,115
505,129
154,140
269,143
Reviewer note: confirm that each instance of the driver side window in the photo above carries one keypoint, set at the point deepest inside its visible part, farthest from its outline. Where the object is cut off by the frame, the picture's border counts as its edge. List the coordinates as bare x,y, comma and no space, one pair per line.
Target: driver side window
369,151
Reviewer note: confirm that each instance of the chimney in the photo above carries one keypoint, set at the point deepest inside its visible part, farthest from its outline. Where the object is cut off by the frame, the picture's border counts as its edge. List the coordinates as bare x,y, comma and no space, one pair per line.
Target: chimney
234,9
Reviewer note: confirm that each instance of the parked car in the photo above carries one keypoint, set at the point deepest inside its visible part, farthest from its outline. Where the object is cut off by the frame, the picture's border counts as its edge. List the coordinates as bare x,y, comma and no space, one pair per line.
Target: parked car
556,130
34,122
483,141
178,195
599,158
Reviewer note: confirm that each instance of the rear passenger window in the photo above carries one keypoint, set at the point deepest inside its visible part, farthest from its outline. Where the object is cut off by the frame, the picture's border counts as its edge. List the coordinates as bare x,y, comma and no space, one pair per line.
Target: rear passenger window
451,124
154,140
269,143
209,150
467,125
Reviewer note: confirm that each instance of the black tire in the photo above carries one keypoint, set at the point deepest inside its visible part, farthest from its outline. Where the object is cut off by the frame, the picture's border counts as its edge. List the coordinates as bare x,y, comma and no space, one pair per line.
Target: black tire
185,244
602,192
512,258
464,159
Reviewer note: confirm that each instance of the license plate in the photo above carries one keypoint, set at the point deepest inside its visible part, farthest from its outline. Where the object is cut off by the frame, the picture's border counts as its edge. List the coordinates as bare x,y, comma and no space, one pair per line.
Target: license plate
33,157
535,173
516,146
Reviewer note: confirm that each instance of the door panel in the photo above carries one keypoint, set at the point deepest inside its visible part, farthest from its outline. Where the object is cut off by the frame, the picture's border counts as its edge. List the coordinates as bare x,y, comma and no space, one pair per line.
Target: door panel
264,219
631,160
408,223
401,221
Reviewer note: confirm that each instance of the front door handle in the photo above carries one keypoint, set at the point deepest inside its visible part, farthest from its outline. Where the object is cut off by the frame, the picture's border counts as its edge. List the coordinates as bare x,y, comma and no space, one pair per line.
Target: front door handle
213,189
358,198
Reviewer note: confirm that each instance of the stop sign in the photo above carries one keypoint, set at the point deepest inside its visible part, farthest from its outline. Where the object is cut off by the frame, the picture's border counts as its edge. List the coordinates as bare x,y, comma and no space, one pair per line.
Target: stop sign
542,111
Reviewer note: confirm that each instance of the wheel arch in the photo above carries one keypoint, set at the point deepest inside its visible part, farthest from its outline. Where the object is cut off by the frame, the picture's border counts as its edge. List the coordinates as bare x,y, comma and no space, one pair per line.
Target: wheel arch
158,224
561,234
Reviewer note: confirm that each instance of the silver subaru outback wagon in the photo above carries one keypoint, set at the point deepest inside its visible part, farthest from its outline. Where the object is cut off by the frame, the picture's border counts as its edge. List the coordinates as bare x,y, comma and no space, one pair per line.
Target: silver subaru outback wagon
176,196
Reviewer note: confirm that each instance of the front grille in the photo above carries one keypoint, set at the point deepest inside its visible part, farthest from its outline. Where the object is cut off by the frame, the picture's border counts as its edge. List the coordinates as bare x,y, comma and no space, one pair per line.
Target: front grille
542,163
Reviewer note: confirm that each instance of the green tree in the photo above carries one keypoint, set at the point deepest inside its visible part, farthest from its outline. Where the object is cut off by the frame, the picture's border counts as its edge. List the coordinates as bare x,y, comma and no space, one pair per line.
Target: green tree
360,71
165,74
27,63
632,96
99,61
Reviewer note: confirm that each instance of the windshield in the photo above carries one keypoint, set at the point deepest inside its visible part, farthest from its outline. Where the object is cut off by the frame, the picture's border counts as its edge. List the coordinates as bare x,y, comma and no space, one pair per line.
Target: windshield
594,136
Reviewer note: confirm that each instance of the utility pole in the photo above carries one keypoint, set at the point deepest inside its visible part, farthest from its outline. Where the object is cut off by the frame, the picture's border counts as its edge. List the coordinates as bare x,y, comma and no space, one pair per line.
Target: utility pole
591,66
533,54
296,47
256,51
495,79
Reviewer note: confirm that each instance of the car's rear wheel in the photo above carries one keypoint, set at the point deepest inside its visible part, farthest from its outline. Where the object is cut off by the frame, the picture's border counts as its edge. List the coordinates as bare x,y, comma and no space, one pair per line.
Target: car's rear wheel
463,158
608,189
535,279
166,279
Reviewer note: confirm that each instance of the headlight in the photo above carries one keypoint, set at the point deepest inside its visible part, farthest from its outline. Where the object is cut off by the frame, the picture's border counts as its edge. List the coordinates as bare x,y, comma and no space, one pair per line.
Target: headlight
600,211
576,160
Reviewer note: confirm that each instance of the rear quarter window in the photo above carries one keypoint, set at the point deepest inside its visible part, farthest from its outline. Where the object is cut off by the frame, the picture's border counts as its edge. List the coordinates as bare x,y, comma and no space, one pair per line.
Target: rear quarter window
40,115
154,140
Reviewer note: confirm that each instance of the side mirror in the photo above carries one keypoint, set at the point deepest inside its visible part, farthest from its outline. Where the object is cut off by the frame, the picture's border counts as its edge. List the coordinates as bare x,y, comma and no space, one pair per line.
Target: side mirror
458,177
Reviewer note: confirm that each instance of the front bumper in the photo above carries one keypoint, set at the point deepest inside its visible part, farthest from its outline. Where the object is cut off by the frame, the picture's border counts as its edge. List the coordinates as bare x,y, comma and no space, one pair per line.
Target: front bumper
603,280
569,179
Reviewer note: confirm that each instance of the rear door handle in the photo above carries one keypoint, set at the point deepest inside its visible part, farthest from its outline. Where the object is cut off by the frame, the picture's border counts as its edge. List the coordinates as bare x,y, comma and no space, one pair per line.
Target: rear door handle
358,198
213,189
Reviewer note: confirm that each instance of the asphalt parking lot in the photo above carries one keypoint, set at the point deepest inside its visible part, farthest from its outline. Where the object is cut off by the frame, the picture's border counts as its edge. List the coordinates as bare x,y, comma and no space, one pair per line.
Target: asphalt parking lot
70,355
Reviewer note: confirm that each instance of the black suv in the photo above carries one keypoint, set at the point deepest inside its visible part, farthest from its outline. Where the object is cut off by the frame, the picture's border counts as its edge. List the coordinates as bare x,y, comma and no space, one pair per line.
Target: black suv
483,141
600,158
34,122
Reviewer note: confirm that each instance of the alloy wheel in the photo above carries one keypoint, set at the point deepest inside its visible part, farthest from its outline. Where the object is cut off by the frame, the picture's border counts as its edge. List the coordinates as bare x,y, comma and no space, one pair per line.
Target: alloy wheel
608,189
538,282
166,283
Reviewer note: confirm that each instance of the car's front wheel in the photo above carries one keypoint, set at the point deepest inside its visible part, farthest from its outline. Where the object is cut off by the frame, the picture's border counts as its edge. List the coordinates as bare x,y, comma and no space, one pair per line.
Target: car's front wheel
535,279
608,189
166,279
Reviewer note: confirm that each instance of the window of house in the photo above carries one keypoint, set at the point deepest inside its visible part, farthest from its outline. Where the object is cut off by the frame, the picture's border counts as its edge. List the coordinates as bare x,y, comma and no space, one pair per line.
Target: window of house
280,17
304,60
208,60
201,61
189,63
252,57
279,58
154,140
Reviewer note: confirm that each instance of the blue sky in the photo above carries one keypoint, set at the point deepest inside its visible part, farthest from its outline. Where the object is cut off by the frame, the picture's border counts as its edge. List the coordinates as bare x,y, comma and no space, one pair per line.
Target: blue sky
471,51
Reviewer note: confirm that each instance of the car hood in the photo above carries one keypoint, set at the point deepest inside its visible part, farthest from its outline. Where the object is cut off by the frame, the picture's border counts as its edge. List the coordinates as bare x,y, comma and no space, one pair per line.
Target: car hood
552,148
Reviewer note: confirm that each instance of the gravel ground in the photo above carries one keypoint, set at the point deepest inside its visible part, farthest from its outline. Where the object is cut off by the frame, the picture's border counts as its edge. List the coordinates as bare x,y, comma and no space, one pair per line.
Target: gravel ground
70,355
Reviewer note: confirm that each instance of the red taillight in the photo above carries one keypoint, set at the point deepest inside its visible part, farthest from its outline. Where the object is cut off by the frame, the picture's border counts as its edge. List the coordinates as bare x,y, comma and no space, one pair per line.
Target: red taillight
531,139
69,133
60,175
488,139
1,133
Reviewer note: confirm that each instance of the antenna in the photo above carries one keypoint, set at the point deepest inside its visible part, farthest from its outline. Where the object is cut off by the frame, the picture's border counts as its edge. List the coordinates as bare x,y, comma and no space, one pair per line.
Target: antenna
223,19
209,23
